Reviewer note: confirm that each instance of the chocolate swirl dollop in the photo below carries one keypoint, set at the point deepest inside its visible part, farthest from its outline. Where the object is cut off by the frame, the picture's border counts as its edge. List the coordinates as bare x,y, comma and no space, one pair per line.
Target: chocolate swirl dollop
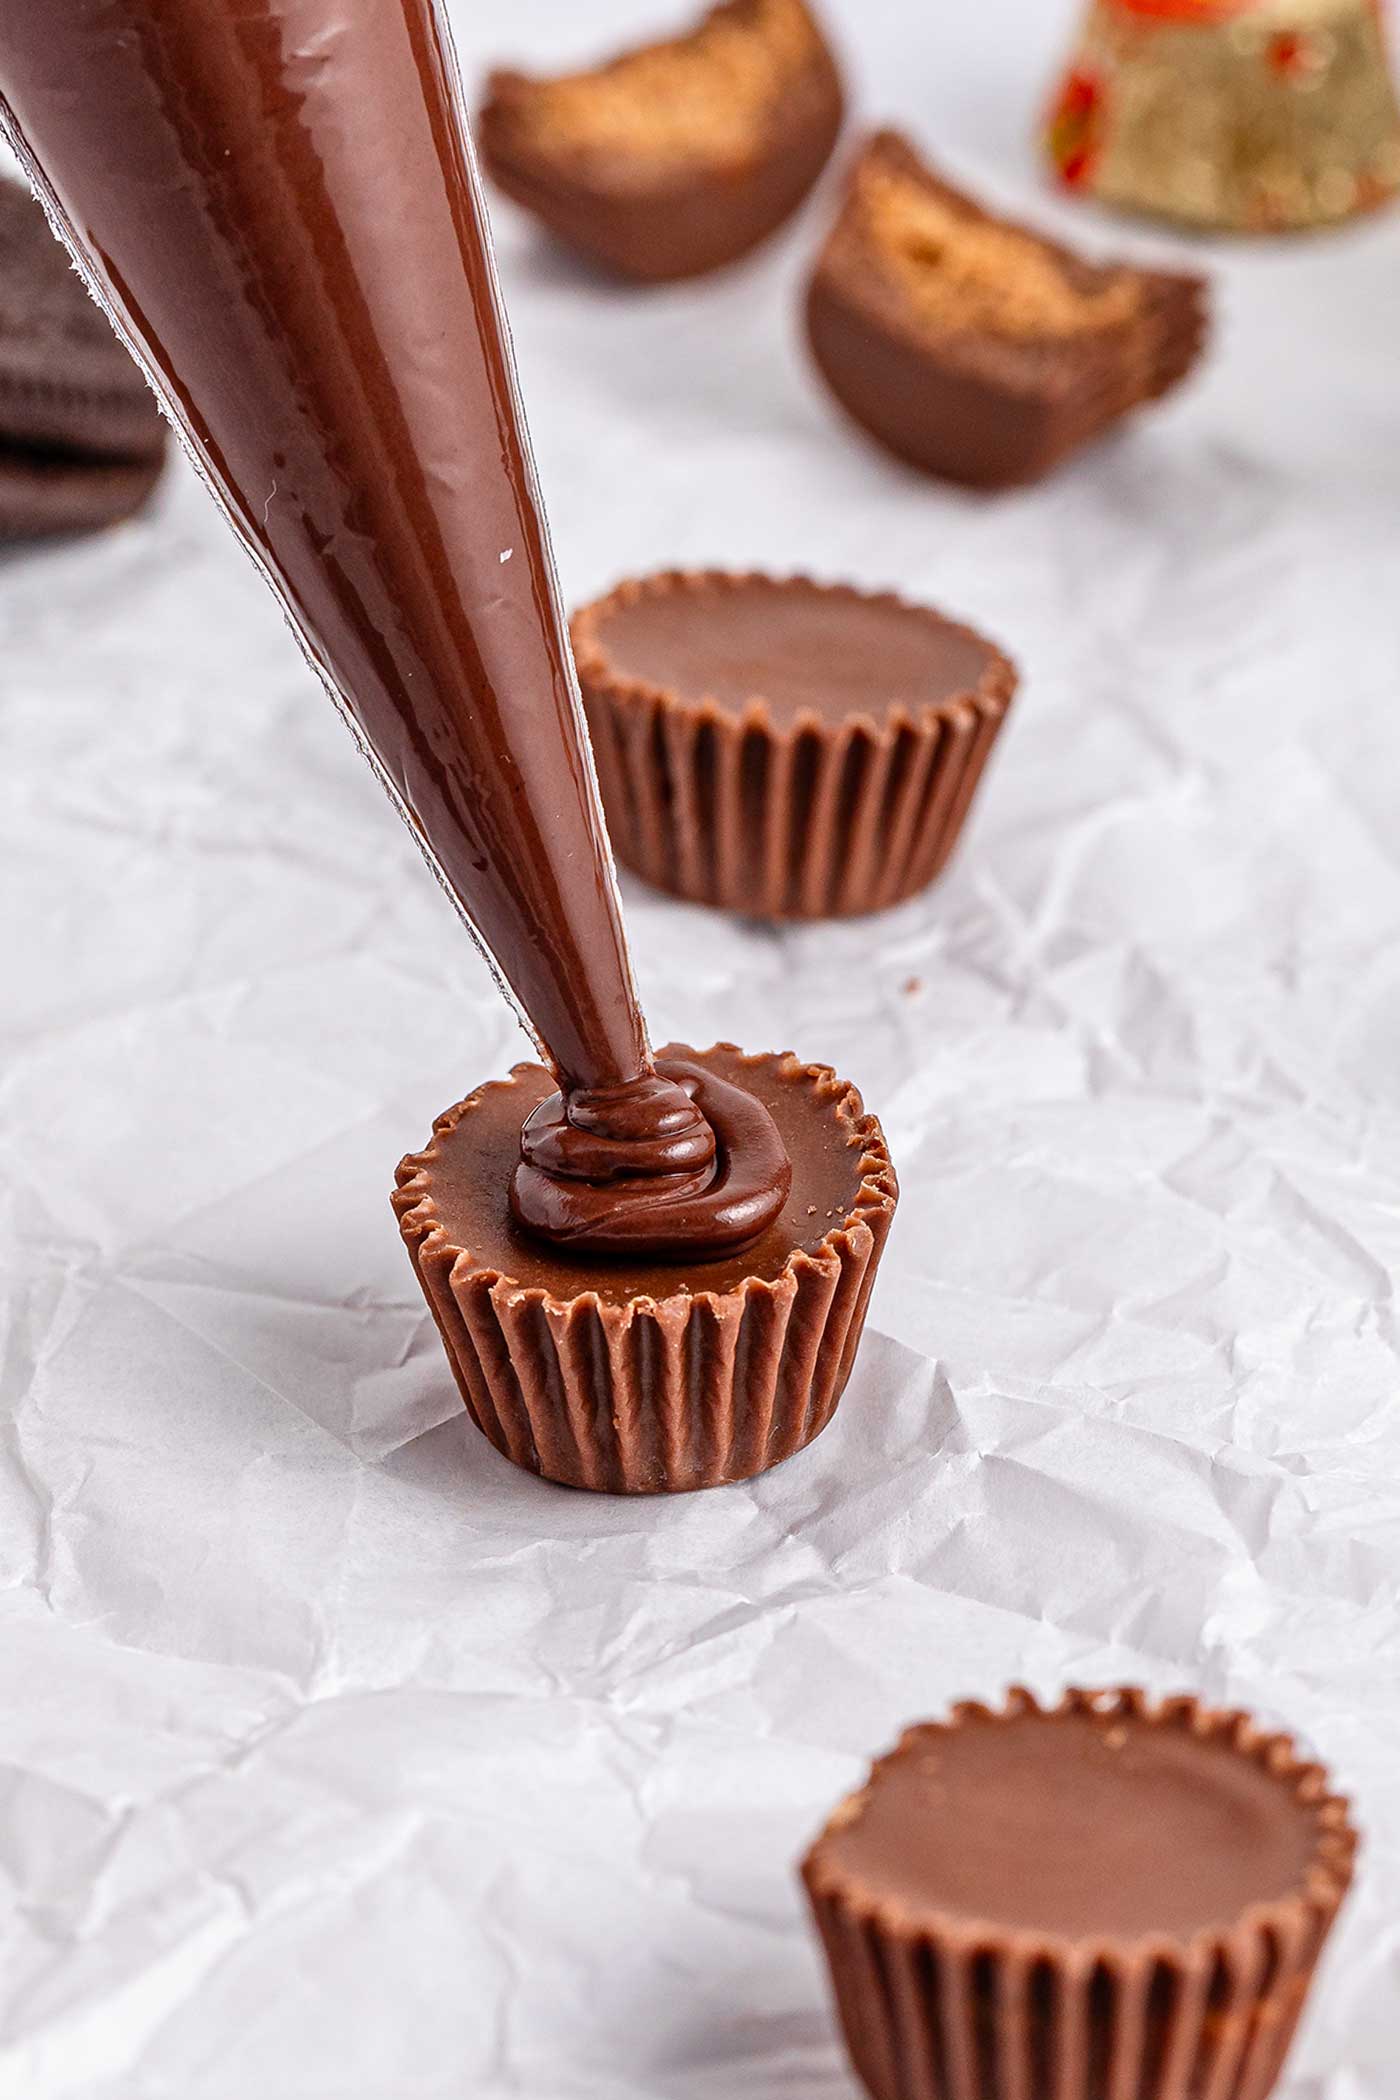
677,1162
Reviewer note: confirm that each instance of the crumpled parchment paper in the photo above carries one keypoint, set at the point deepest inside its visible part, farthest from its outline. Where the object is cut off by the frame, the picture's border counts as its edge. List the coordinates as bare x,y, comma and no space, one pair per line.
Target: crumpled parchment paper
338,1761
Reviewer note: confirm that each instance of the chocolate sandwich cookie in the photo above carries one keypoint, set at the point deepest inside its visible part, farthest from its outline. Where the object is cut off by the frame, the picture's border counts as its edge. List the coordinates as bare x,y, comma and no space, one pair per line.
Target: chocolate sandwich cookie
783,748
678,157
1110,1900
633,1372
973,347
48,496
81,440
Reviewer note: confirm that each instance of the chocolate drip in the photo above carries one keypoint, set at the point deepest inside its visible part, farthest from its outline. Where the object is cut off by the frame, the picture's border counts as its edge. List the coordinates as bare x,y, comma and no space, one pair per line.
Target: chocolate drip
632,1172
276,201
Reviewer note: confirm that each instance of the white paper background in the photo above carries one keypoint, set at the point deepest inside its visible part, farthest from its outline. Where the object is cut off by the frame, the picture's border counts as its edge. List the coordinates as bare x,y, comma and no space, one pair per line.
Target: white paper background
337,1760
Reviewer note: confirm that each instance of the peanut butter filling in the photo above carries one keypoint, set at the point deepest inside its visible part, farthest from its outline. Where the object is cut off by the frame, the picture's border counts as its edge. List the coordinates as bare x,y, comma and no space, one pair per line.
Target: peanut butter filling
709,95
969,273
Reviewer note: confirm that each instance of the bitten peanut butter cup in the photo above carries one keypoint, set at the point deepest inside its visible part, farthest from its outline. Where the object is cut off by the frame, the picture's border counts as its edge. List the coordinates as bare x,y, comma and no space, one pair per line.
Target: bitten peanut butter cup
81,440
678,157
784,748
971,346
636,1376
1110,1900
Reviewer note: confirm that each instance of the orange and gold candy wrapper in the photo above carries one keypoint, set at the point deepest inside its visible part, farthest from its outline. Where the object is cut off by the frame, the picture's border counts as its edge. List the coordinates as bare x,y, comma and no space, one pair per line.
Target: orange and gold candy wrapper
1250,115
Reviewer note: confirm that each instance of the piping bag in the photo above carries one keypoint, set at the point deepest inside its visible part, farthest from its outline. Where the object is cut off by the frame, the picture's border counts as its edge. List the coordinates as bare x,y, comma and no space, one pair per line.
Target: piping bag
277,203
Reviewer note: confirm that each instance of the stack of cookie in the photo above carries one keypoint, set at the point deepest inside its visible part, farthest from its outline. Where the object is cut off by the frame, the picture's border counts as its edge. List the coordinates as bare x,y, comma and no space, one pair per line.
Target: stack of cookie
81,440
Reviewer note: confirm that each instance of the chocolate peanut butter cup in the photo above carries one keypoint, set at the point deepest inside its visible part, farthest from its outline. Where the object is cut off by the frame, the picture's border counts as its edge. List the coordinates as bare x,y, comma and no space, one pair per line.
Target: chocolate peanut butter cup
643,1376
1110,1900
678,157
974,348
784,748
81,440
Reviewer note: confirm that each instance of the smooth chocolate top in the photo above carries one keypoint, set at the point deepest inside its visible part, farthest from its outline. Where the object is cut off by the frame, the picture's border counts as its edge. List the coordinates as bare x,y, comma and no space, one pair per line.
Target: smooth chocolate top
1080,1826
834,653
468,1176
276,199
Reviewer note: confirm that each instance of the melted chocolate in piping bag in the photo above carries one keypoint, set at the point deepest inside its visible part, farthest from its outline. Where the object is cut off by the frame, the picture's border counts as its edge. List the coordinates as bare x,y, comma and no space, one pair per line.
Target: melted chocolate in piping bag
276,201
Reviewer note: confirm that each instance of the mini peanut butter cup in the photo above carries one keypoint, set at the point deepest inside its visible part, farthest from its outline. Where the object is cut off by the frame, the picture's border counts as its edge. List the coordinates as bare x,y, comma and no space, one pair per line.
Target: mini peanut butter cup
974,348
783,748
638,1376
1110,1900
680,156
